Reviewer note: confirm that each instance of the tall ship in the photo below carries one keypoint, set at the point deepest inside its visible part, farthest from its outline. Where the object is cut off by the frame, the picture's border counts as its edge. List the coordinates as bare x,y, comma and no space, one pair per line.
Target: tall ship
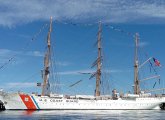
49,101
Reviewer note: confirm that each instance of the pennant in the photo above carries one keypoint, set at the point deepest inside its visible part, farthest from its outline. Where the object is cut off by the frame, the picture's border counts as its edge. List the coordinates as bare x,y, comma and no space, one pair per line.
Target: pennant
38,84
159,81
154,85
157,63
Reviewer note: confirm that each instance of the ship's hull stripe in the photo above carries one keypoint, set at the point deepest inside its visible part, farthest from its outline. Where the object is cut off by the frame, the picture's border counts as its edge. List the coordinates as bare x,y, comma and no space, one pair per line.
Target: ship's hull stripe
35,102
28,101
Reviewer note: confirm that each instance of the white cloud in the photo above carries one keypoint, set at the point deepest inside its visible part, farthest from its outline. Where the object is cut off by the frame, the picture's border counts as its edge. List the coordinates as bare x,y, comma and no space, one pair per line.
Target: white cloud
55,84
116,11
69,73
76,72
34,53
88,71
143,44
63,63
20,85
7,53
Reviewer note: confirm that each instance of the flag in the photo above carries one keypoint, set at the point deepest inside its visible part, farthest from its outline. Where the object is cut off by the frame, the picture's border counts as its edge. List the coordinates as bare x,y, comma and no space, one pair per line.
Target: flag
38,84
157,63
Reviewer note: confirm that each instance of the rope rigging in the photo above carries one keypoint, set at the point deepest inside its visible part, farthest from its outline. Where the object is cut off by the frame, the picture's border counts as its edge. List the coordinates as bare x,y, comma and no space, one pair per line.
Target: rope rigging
25,47
70,23
76,24
112,28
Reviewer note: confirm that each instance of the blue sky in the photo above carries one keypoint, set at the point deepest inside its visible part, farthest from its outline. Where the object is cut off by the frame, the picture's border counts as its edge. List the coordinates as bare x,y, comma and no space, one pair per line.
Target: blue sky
74,44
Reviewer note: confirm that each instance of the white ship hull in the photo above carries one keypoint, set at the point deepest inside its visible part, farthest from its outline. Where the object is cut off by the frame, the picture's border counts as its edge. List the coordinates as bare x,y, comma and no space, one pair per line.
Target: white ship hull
23,102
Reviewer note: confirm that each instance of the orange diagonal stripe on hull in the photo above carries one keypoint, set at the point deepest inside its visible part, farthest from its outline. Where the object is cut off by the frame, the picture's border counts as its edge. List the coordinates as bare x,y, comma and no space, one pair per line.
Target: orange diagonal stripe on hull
28,101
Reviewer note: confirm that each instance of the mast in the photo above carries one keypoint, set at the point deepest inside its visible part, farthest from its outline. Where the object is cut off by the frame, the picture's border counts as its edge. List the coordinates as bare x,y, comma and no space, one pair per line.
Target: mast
46,85
136,79
98,75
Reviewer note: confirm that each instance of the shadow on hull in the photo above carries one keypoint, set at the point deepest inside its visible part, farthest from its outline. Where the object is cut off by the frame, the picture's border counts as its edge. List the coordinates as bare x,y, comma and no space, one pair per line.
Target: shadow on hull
2,107
162,106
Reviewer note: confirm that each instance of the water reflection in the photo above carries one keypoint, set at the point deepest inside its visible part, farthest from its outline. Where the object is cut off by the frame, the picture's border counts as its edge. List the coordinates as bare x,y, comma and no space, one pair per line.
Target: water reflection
28,112
85,114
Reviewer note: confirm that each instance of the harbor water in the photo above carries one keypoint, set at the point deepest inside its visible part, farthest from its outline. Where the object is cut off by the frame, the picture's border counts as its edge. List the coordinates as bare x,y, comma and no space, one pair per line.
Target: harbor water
83,114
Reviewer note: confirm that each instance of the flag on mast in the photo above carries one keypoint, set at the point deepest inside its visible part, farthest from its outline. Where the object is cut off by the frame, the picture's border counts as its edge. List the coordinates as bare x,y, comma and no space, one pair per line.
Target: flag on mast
157,63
